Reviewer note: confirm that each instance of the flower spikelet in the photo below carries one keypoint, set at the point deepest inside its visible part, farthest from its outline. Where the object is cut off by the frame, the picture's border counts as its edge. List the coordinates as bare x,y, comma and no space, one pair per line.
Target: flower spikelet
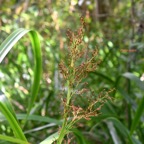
80,61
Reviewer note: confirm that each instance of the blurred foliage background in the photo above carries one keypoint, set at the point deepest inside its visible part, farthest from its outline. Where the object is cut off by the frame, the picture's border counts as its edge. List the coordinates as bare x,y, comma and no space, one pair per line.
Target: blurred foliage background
115,27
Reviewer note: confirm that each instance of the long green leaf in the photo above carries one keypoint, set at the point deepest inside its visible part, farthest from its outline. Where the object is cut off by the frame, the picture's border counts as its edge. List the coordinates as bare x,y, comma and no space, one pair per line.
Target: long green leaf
35,118
79,136
101,75
11,40
13,140
5,101
6,110
40,118
5,47
50,139
113,133
38,67
132,77
140,108
122,129
137,116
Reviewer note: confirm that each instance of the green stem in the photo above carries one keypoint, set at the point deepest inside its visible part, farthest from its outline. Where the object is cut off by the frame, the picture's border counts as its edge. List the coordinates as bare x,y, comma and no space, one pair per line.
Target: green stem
63,130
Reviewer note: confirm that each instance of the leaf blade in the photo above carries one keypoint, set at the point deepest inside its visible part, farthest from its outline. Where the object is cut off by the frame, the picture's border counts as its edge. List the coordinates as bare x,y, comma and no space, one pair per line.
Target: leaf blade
7,45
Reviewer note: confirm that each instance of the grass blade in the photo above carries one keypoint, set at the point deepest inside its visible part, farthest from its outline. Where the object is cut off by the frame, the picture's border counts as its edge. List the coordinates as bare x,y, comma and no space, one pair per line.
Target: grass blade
40,118
79,136
38,67
122,128
132,77
140,108
113,133
13,140
7,45
51,139
137,116
5,108
10,41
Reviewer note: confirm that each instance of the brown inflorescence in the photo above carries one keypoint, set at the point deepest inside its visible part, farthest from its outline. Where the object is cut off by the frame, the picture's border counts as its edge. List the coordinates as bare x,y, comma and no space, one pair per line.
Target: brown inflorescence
91,110
81,61
75,71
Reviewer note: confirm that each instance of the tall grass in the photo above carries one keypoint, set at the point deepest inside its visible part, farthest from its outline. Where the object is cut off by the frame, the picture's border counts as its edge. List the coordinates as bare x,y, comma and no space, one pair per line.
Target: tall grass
5,106
71,76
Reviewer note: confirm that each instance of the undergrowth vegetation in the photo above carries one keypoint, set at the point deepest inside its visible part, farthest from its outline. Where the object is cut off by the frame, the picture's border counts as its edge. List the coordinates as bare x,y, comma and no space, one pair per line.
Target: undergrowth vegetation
83,85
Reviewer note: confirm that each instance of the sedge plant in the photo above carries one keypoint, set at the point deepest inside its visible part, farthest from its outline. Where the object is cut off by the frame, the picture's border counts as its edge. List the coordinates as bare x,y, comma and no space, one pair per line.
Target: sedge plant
80,62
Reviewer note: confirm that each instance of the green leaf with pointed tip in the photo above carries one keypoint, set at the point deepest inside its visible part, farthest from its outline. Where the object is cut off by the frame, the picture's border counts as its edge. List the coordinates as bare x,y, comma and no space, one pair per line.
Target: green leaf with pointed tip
7,45
6,109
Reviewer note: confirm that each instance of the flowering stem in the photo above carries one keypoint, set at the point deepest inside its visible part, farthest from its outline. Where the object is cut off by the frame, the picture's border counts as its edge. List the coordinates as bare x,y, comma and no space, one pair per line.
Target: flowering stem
63,130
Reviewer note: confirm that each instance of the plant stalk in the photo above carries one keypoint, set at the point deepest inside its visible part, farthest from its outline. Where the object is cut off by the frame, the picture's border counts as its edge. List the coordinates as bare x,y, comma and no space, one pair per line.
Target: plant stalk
63,130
